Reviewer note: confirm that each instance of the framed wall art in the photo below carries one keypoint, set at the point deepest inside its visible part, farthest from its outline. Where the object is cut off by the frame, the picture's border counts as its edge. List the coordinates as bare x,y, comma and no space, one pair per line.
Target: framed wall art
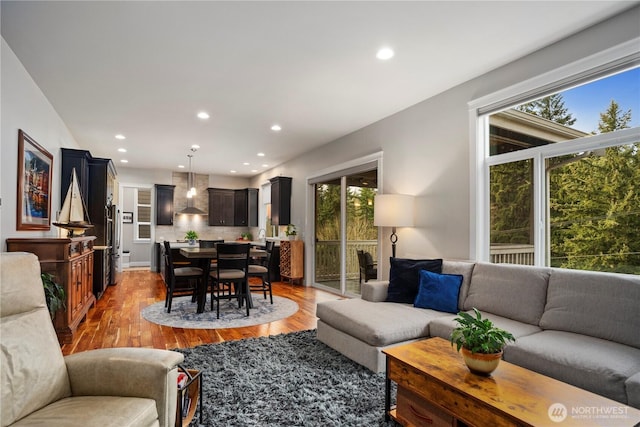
35,164
127,217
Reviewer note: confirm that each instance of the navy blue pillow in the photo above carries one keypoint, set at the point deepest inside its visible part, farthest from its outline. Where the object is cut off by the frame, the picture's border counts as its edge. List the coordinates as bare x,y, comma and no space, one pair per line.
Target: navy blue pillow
438,291
404,277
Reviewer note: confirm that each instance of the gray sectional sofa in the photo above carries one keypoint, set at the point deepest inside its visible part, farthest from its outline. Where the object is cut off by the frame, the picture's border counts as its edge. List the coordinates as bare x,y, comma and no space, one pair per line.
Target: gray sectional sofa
579,327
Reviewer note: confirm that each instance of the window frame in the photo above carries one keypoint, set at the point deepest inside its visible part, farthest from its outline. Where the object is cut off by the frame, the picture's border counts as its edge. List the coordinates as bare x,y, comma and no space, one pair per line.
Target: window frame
618,58
137,223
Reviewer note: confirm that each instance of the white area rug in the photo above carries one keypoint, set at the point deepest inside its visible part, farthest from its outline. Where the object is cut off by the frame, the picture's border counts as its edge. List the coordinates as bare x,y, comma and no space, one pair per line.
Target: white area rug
183,313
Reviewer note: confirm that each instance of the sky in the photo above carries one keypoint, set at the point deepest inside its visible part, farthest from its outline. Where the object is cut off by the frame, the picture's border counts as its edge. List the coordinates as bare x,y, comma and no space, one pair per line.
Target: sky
586,102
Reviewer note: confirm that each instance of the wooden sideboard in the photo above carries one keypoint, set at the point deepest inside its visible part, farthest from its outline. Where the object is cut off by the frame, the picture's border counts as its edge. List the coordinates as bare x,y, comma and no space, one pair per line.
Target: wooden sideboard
292,260
70,260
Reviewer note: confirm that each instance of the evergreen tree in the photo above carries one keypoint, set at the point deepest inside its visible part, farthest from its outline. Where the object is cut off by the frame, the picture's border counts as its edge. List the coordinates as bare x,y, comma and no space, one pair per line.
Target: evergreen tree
595,206
551,108
613,118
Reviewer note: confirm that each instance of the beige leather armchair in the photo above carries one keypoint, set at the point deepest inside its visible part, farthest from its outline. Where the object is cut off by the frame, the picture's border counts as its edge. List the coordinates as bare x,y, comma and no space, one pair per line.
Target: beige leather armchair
108,387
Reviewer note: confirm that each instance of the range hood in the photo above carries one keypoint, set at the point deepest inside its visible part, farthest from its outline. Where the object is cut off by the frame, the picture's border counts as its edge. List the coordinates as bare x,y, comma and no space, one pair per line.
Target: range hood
190,210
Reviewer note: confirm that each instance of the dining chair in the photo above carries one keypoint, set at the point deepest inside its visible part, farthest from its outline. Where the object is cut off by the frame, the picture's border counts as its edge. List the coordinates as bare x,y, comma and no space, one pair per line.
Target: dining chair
233,269
181,280
263,272
211,244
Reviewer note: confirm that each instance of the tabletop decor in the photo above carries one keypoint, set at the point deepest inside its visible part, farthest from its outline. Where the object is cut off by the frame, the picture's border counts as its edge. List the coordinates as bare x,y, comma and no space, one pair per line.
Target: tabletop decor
33,208
191,236
480,340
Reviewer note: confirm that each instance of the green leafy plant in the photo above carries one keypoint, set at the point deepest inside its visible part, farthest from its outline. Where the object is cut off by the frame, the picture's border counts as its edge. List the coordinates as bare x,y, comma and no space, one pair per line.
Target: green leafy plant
54,294
291,230
478,335
191,235
247,236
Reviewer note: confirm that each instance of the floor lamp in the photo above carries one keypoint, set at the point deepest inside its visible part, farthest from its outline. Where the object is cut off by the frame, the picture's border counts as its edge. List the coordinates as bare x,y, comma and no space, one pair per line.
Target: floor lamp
393,210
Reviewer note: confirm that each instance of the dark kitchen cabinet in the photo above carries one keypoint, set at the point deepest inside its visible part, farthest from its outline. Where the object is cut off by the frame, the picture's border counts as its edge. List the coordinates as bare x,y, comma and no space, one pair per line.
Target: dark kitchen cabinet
280,200
78,160
246,207
164,204
221,207
102,178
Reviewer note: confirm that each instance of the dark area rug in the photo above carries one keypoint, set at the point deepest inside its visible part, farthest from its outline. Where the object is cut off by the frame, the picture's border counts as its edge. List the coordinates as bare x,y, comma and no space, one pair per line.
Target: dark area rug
285,380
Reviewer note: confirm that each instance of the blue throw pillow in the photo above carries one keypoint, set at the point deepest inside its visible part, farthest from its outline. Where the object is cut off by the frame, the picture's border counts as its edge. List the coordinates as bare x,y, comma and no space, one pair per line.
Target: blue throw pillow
404,277
438,291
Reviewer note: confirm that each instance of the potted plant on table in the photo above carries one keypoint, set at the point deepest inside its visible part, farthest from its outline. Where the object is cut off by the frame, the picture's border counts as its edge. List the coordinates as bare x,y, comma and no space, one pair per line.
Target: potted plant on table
291,232
191,236
480,342
54,294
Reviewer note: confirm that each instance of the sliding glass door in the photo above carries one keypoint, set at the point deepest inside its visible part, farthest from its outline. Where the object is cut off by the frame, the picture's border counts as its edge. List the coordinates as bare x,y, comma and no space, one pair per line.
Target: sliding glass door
343,224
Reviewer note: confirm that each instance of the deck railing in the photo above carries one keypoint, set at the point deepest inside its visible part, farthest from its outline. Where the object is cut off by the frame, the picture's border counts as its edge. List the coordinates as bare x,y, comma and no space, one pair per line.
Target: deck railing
328,258
512,254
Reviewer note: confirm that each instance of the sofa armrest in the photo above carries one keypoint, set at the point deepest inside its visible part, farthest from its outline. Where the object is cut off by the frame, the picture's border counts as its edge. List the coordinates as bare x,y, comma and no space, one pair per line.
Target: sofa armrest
131,372
374,290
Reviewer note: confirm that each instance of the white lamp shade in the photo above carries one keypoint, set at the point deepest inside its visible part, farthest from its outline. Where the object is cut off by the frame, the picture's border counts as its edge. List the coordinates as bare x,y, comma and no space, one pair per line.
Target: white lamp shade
393,210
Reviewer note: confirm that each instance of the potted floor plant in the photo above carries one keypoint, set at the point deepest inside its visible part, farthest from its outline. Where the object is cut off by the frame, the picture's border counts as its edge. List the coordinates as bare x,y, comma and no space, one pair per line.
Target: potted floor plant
480,342
54,294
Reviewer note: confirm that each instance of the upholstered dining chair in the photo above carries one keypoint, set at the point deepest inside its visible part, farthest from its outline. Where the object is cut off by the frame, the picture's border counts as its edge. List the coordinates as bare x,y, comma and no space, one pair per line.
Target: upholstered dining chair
233,269
124,387
263,272
181,280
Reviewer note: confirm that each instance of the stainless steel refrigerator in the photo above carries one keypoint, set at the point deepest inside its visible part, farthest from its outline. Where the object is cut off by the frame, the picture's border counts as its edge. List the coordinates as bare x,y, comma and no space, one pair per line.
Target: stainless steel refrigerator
114,255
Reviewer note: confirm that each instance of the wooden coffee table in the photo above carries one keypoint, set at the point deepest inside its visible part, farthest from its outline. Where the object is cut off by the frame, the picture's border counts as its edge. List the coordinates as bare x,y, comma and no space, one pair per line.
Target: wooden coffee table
436,388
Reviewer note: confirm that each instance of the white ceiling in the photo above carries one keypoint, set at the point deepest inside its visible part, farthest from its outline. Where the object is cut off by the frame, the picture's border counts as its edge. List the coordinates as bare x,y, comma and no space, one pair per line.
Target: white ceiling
144,69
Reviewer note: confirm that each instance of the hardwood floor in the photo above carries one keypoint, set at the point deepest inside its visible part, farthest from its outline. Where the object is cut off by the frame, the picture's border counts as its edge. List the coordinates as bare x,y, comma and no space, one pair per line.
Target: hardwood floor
115,321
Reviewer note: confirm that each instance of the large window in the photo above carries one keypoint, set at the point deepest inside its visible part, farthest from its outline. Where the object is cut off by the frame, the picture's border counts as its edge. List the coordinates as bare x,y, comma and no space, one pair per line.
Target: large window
562,175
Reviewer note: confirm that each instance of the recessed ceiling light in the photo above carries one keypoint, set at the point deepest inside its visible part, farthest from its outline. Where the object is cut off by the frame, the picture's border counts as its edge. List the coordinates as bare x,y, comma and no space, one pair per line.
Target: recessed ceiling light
124,161
232,171
203,115
260,154
276,128
246,163
180,166
265,165
385,53
254,170
120,136
122,150
195,146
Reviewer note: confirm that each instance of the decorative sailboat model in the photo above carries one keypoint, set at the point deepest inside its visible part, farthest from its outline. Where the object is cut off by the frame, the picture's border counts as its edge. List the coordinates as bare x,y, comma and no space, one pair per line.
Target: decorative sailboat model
73,216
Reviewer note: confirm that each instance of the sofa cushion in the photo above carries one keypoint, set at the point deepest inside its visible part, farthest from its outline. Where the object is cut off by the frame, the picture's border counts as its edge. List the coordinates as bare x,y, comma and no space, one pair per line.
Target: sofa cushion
463,268
404,277
594,364
632,384
602,305
517,292
443,326
438,291
377,324
103,411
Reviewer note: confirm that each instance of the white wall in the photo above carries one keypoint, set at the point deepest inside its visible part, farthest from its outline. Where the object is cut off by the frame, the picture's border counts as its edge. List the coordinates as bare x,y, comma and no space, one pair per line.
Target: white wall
426,148
25,107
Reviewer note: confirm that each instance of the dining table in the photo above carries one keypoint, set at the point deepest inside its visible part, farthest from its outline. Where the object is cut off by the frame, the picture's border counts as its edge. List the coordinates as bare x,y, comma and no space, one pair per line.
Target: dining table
204,257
